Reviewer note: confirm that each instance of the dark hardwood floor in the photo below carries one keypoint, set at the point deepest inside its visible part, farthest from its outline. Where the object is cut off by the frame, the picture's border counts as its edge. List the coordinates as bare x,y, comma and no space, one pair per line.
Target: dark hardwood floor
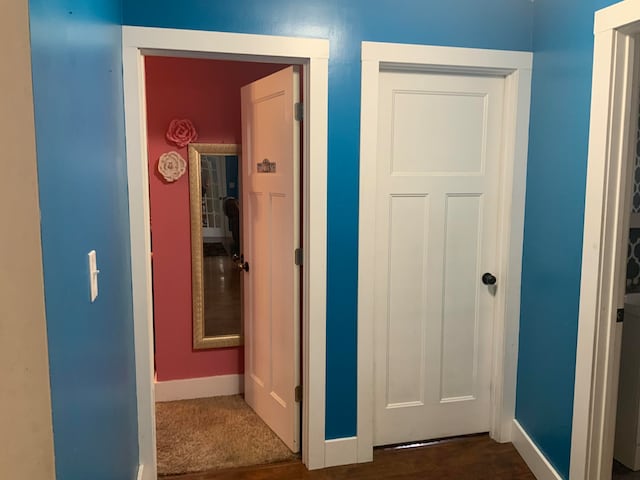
474,458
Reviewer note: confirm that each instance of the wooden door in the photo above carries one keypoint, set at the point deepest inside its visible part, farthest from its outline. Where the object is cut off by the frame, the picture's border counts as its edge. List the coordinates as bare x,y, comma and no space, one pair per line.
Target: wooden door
271,233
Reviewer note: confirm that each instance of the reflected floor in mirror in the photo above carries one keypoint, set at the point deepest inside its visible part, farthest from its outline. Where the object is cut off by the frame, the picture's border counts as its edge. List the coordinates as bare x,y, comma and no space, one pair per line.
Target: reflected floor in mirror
221,295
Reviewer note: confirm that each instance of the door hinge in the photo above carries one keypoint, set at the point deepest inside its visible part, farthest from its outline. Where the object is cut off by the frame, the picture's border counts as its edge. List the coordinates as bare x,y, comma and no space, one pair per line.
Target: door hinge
620,315
299,111
298,393
298,256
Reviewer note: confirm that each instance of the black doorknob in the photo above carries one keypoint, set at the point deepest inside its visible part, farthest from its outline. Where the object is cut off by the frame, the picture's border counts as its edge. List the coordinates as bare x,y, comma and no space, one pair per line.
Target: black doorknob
240,263
488,279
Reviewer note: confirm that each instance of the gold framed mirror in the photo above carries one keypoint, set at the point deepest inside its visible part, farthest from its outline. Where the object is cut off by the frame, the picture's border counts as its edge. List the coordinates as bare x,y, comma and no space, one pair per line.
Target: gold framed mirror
215,239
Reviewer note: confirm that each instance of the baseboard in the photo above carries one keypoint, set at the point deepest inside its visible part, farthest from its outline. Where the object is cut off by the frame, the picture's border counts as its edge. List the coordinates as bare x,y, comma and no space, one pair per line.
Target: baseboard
199,387
140,475
341,451
533,457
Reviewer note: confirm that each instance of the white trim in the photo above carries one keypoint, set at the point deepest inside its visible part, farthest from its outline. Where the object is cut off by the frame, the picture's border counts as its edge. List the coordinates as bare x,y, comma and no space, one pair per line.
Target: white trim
312,54
201,387
618,16
449,58
341,451
531,454
605,240
516,68
140,475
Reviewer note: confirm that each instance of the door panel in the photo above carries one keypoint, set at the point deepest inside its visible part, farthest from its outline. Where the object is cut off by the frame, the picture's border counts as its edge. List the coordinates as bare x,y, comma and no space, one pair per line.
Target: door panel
271,233
436,216
407,300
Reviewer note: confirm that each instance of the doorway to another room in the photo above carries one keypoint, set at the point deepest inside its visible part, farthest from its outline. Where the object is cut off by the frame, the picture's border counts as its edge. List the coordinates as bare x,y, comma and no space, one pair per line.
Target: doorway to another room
213,253
311,55
626,444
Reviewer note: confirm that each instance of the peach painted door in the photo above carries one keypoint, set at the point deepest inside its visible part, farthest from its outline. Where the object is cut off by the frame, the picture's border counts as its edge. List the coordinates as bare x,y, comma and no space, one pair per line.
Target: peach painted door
271,233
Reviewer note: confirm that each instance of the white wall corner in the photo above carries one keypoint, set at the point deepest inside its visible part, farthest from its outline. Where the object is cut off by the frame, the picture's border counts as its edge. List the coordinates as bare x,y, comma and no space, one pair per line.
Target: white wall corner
531,454
340,451
199,387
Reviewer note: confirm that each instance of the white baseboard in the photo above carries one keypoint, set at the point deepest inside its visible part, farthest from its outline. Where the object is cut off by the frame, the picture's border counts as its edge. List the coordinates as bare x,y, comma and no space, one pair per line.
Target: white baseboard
199,387
341,451
140,475
533,457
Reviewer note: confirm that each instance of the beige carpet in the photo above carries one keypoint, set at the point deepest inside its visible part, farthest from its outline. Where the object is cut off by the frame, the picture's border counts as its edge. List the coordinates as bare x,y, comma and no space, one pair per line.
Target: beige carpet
211,433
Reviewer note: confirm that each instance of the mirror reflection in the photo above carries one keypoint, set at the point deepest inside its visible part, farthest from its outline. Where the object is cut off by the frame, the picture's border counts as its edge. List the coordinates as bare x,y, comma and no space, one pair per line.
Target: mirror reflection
215,239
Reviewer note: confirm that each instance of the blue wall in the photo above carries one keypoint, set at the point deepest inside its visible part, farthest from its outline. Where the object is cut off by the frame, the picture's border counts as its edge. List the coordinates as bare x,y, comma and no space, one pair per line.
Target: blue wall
556,177
77,74
503,24
231,174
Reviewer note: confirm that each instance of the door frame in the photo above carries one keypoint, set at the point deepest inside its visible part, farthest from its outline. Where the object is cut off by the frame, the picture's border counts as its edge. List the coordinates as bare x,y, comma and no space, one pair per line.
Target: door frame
515,67
606,222
313,55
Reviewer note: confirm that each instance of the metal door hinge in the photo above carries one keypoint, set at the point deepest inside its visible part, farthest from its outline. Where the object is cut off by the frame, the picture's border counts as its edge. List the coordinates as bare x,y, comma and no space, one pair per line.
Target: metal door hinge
298,393
298,256
299,111
620,315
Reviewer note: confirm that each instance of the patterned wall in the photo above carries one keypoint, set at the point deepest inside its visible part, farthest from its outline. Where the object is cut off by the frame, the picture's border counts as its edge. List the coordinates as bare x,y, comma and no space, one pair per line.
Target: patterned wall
633,255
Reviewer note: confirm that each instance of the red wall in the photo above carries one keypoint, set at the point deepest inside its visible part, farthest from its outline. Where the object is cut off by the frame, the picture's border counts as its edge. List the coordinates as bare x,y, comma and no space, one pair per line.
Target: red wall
208,93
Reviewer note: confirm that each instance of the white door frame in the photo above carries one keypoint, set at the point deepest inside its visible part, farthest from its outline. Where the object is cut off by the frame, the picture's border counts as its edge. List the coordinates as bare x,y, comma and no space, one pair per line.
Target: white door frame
606,222
515,67
313,54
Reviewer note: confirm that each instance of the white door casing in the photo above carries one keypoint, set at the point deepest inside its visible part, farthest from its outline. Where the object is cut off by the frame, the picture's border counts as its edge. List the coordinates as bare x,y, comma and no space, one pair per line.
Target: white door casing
436,220
313,55
270,234
605,238
515,68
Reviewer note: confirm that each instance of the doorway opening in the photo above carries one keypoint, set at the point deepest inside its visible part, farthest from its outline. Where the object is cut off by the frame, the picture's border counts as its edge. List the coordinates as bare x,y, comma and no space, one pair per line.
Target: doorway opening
310,56
204,229
604,385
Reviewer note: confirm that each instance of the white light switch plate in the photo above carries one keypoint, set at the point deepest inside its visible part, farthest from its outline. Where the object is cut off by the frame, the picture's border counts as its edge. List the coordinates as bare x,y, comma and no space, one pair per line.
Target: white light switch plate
93,275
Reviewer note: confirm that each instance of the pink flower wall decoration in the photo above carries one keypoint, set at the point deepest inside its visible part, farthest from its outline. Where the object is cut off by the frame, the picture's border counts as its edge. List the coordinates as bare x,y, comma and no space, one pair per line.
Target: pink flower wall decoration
181,132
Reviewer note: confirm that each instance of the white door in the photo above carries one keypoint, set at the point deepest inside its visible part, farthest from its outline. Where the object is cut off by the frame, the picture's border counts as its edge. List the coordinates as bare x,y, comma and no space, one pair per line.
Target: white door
270,235
436,213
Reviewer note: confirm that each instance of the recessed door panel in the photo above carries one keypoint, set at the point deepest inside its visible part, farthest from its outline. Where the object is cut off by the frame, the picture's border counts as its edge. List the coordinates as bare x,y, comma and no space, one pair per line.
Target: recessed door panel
431,143
459,366
406,319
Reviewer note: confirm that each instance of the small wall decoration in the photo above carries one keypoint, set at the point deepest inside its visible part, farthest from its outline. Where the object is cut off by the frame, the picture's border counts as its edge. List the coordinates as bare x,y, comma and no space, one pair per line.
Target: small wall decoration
171,166
181,132
266,166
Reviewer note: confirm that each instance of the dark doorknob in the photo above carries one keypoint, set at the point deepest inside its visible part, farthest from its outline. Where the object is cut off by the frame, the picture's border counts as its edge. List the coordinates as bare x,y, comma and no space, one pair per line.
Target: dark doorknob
240,263
488,279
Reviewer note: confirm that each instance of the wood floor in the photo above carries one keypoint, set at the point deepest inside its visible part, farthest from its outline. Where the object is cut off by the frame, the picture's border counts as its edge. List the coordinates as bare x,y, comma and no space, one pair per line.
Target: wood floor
222,296
474,458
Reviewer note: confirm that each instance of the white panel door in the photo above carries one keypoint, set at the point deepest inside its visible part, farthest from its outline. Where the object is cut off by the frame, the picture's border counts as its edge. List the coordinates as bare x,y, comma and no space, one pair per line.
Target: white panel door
436,219
270,234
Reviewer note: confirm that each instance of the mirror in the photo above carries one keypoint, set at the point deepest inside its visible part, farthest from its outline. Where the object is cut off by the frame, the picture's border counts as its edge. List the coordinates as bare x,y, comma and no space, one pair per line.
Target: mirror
215,238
